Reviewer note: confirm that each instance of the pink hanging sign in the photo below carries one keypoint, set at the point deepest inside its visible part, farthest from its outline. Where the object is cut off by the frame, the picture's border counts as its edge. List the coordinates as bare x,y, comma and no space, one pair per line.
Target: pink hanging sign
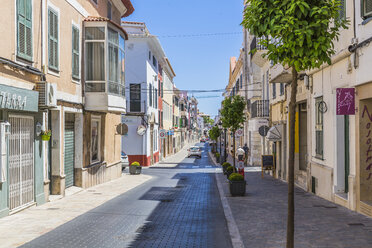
345,101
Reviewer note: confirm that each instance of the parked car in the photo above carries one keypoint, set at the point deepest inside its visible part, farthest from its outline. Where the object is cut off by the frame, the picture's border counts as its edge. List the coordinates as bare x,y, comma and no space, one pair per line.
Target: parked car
124,160
194,151
202,140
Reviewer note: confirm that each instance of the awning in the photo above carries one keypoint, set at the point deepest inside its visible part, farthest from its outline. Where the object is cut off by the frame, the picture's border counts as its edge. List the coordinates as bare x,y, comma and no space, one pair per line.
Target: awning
275,133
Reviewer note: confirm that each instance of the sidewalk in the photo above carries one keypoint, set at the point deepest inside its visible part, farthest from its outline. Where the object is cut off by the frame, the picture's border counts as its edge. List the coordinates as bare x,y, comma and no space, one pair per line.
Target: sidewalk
261,217
31,223
173,160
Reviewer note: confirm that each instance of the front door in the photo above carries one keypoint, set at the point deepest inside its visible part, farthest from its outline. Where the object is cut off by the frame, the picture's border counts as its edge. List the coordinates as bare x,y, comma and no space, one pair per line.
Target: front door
21,162
69,149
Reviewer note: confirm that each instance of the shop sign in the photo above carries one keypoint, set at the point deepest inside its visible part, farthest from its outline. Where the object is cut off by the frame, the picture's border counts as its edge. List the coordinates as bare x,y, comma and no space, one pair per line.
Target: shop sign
13,98
345,101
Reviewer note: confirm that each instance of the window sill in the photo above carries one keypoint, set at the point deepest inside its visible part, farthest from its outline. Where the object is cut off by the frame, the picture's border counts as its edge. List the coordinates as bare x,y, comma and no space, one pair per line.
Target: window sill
75,80
24,61
53,72
367,20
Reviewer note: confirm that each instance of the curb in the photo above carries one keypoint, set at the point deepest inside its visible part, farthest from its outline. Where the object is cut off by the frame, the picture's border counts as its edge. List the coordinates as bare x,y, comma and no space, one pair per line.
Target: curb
236,239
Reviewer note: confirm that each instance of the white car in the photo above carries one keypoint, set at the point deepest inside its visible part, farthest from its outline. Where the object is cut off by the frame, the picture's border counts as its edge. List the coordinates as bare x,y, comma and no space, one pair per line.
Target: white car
194,151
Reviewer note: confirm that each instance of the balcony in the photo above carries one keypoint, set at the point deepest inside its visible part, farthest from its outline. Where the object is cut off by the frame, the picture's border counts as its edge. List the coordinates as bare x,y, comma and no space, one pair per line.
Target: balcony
136,107
279,74
104,66
257,52
260,109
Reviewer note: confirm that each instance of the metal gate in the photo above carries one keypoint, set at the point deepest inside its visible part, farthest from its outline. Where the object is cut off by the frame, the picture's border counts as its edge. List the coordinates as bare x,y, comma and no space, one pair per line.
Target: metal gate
21,161
69,153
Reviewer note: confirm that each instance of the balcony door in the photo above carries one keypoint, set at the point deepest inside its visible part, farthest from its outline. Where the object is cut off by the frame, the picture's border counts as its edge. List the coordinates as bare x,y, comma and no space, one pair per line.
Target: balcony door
135,98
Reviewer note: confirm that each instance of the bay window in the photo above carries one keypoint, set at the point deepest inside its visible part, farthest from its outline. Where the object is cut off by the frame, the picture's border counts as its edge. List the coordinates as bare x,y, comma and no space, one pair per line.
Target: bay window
104,59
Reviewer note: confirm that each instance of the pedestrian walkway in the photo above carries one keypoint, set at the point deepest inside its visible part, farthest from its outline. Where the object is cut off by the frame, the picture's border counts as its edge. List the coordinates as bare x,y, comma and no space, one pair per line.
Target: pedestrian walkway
29,224
261,216
174,159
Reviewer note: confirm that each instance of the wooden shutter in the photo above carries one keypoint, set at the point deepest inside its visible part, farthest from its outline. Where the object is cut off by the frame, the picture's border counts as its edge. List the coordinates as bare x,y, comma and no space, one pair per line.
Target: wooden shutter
53,39
75,53
24,29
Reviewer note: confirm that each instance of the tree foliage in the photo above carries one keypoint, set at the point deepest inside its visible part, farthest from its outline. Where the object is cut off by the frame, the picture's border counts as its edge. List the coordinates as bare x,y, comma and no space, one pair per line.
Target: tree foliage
301,32
208,120
232,113
214,133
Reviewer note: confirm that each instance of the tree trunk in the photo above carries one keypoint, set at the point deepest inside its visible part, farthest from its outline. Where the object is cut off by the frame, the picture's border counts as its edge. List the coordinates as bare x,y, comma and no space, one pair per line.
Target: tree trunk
292,121
234,151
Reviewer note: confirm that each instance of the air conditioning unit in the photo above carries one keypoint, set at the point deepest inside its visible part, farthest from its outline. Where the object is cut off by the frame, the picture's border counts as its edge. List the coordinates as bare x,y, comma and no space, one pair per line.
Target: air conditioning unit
47,94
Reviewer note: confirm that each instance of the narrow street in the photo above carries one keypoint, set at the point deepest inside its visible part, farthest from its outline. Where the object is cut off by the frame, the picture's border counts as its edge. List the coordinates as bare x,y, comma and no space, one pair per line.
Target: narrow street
178,207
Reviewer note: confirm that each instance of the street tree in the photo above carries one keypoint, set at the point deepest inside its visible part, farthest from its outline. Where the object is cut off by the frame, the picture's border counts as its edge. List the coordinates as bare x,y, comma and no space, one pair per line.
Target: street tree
214,133
298,34
208,120
232,116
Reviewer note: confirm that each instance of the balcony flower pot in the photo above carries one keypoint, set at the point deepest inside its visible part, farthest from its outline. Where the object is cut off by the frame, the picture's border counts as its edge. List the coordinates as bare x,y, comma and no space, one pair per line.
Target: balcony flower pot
45,135
237,184
135,168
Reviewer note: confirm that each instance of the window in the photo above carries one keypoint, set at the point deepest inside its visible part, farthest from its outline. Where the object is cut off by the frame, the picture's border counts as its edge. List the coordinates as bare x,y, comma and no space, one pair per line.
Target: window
274,90
95,1
156,98
24,29
267,85
75,53
95,139
319,127
53,39
237,85
154,62
150,95
282,89
150,55
342,10
109,12
96,58
366,8
95,62
241,81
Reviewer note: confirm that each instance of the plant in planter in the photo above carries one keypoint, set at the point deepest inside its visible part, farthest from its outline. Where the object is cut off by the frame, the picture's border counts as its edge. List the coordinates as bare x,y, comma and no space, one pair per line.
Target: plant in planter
229,170
135,168
224,167
237,184
217,157
45,135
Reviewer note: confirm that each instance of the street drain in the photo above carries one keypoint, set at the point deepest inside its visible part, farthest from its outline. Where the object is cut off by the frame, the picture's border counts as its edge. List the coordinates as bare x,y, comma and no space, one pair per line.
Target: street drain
330,207
180,186
97,193
355,224
166,200
52,208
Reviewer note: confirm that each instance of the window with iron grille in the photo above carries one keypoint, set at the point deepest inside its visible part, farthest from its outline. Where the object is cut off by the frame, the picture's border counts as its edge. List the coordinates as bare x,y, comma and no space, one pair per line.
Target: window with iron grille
318,128
342,10
366,8
75,53
24,29
135,97
53,56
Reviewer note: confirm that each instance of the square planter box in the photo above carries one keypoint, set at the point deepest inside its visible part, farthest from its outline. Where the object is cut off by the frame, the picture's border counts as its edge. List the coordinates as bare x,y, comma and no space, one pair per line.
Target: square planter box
135,170
237,188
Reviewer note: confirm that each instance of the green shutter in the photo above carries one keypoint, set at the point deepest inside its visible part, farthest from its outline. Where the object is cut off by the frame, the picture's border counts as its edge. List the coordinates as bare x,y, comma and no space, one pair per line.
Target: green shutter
75,53
53,39
24,29
366,8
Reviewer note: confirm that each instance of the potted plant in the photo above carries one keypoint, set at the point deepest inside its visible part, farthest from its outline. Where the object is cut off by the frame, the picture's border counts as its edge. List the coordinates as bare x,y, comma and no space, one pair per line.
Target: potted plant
135,168
217,157
45,135
237,184
224,167
229,170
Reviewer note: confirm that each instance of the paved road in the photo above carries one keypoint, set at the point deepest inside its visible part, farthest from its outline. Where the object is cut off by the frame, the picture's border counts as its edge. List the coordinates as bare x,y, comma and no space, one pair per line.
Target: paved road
179,207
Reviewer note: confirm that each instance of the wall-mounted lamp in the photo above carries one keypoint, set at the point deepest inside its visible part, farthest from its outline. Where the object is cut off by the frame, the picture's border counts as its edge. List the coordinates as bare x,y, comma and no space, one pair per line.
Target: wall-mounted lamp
38,129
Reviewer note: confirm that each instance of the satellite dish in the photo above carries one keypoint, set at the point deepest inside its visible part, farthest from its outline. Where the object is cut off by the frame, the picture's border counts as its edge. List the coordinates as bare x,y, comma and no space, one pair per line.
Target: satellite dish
141,130
122,129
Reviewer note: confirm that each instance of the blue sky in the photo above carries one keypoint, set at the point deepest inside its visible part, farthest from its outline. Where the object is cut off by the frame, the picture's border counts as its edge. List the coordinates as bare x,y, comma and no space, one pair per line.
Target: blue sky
199,62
